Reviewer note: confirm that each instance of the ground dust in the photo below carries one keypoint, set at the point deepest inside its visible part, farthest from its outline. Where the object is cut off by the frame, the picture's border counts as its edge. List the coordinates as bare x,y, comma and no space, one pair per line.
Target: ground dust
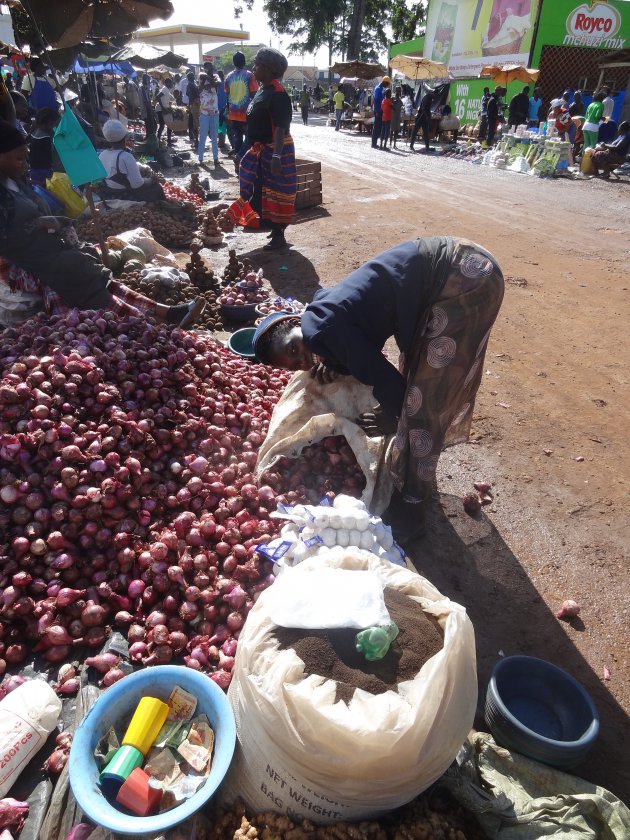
331,653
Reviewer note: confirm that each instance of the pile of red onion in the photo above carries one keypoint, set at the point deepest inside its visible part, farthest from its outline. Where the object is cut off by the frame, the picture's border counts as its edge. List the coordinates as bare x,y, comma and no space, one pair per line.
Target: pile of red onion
323,468
128,498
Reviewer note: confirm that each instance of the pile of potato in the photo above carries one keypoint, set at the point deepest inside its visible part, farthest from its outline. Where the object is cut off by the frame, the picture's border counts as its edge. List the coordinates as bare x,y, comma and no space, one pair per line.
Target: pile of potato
429,817
171,228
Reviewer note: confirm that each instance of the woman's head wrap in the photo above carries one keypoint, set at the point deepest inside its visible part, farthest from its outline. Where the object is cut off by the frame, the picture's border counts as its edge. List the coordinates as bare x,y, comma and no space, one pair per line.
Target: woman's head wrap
10,137
274,60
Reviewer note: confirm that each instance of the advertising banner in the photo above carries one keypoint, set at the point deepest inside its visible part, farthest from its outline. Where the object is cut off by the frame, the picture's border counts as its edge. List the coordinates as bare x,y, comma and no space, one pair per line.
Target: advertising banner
468,34
465,97
604,24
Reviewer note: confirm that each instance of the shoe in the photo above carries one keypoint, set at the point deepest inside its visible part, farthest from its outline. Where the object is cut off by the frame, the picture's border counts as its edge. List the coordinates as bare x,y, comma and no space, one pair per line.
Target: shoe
407,521
276,241
411,147
195,309
216,163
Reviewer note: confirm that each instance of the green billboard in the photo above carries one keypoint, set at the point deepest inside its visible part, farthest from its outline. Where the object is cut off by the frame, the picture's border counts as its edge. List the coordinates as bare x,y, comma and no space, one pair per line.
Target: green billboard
465,96
604,24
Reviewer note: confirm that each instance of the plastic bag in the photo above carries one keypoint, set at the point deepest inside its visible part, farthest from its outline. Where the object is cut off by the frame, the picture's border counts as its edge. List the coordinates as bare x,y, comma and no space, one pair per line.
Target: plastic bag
60,186
301,753
140,238
308,412
27,716
17,307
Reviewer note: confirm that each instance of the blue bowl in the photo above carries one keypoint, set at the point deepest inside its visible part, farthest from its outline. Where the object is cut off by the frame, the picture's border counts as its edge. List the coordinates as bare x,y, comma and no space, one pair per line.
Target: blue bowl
118,703
539,710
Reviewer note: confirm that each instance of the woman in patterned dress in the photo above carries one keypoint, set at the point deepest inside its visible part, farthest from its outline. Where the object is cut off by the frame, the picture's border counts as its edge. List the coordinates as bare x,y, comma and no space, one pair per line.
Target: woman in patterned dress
438,298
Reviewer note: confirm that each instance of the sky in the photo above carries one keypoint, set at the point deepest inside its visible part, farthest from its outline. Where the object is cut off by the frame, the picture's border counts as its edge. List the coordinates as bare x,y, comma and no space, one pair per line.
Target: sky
221,15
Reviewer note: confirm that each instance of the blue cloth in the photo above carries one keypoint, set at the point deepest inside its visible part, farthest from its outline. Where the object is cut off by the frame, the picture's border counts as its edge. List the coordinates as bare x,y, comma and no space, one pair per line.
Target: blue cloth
76,151
379,93
43,96
534,108
348,324
221,96
121,68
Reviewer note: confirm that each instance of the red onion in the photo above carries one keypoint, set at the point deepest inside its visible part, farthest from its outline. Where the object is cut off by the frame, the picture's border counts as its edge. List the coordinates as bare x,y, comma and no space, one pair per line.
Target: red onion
111,677
103,662
137,651
57,653
12,814
69,687
55,762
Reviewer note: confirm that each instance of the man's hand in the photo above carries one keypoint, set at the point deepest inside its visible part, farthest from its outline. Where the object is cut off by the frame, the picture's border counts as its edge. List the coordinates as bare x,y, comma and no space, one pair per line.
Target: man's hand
377,422
323,374
276,166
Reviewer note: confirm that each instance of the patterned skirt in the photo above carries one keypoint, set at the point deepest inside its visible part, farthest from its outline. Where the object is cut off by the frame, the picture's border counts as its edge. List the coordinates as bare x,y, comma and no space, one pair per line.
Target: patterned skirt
278,191
444,368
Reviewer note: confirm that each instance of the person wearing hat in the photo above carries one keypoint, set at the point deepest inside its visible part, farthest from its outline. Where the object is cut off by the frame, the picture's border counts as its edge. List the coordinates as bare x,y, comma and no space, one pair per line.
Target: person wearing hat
40,248
438,298
126,178
377,99
267,174
240,88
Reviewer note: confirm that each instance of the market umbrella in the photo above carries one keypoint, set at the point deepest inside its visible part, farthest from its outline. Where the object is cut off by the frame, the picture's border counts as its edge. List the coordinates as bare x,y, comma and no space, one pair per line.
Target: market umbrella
147,56
416,67
360,69
73,21
503,74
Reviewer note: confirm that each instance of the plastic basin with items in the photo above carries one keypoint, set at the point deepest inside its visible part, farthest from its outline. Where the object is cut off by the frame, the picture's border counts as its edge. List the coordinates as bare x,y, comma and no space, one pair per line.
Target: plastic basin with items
117,704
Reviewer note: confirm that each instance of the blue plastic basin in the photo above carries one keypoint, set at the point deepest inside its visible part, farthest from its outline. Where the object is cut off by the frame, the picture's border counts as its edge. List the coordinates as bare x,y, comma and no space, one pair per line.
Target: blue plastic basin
117,704
539,710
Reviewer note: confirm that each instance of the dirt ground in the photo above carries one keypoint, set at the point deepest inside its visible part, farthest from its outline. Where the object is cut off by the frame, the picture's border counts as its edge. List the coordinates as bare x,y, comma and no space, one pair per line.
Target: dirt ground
552,415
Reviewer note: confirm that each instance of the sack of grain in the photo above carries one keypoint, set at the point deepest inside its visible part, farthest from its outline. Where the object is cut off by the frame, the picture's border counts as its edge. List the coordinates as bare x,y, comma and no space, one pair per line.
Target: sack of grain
312,745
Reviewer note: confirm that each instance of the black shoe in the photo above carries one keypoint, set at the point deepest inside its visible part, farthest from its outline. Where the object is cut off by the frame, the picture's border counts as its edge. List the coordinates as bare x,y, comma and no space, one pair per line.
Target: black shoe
277,241
407,520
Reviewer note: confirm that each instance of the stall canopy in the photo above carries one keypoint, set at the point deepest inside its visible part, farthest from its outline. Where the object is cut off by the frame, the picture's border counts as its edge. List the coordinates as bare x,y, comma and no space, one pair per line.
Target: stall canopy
416,67
119,68
73,21
359,69
147,56
189,35
503,74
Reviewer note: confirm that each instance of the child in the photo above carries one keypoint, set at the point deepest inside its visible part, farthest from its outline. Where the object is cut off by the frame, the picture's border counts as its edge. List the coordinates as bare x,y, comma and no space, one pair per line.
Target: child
387,107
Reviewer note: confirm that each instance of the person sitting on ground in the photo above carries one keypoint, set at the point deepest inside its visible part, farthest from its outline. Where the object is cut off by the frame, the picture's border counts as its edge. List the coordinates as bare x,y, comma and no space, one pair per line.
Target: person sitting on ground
44,249
609,156
126,178
449,122
439,298
43,157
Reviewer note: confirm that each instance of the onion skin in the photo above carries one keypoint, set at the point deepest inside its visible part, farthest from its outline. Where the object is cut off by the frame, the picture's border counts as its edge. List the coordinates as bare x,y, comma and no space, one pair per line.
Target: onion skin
568,610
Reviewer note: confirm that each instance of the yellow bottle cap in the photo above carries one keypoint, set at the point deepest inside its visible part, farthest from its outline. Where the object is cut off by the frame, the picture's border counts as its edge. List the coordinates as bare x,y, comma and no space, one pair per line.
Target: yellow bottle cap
148,719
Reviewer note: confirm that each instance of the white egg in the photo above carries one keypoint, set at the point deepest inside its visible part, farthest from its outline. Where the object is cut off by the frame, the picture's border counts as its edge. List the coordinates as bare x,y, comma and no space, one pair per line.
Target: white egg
355,537
336,520
362,520
322,518
349,521
343,502
329,536
343,537
367,541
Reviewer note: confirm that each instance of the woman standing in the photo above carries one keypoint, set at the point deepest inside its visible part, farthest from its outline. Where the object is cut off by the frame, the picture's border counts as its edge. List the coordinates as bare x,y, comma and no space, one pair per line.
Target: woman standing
208,116
438,298
164,109
269,161
594,113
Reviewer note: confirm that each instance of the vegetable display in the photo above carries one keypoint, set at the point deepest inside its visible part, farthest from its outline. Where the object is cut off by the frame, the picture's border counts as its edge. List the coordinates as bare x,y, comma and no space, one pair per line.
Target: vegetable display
127,452
172,228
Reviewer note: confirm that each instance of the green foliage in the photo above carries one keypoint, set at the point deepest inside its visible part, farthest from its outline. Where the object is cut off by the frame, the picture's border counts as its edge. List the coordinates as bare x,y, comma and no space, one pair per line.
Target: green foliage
317,23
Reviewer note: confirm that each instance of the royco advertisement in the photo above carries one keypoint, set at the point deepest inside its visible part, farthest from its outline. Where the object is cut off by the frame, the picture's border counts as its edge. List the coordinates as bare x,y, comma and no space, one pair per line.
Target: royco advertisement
605,25
468,34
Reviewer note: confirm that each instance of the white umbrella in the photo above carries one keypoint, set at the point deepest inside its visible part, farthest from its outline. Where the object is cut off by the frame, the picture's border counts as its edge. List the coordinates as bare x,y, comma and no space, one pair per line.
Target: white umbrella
416,67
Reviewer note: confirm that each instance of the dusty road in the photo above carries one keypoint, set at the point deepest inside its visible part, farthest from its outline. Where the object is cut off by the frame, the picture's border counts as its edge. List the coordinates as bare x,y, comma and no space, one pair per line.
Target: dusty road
552,416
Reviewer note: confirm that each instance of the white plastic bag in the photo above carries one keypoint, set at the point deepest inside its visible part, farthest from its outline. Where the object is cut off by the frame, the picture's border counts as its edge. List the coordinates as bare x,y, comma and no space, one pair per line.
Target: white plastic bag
27,717
301,753
17,307
308,412
140,238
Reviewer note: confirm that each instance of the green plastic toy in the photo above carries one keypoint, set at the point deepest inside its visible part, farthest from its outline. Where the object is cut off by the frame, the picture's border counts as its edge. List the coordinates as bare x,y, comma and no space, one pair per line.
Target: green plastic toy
374,642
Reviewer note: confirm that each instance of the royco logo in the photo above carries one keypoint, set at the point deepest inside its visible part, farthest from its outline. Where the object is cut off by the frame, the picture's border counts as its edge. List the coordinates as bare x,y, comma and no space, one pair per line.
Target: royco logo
594,25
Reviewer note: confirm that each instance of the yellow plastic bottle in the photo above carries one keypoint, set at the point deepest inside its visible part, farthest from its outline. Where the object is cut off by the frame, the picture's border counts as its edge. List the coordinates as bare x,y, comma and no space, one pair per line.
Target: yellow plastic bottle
148,719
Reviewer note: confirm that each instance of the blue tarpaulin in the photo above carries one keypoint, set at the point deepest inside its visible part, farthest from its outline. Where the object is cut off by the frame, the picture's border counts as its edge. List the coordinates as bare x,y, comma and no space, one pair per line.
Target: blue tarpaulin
121,68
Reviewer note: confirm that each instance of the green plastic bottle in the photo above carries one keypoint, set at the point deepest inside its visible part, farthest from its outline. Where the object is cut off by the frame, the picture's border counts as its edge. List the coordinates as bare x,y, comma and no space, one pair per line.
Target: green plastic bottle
374,642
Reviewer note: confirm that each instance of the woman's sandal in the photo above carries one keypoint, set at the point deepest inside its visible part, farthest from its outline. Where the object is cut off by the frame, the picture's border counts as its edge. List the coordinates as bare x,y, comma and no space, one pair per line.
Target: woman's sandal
274,243
195,310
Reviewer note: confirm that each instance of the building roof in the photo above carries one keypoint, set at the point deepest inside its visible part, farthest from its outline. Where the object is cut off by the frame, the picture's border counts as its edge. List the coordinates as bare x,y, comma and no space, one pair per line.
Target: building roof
307,74
231,47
